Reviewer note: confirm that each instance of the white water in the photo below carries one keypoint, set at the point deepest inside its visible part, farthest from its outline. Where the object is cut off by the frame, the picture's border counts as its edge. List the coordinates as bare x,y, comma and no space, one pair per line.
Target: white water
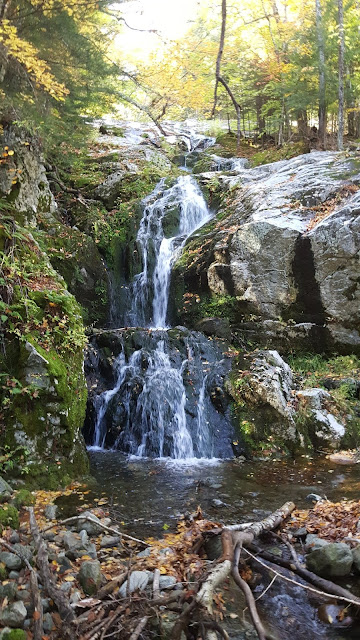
149,291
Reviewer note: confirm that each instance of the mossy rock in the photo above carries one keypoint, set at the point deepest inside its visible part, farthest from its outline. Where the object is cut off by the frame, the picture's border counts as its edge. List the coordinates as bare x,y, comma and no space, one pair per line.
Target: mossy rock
9,516
14,634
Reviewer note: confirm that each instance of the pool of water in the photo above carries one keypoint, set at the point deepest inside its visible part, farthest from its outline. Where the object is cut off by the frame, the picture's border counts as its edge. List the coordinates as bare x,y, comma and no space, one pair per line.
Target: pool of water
150,494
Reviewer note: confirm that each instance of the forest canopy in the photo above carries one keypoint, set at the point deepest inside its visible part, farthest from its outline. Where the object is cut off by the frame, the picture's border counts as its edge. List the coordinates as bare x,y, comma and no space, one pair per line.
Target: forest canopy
285,68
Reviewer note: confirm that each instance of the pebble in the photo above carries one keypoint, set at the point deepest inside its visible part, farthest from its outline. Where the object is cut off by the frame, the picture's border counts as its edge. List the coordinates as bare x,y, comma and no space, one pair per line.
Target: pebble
14,537
13,575
217,503
51,511
48,623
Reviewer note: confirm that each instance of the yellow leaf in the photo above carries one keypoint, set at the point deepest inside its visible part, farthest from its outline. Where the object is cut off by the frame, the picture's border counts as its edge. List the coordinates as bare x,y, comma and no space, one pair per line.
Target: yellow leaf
11,153
69,578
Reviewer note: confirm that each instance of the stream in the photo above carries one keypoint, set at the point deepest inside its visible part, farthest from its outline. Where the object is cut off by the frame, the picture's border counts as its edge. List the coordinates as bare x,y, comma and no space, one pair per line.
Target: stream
161,440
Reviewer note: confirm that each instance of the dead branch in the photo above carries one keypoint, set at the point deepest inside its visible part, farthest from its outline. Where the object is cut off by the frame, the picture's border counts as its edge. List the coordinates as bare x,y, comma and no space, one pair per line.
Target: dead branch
352,600
250,600
156,584
42,561
98,524
140,627
325,585
110,586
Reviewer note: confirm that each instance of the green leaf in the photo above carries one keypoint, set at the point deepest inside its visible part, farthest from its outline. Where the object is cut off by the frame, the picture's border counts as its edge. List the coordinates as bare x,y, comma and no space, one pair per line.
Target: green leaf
3,318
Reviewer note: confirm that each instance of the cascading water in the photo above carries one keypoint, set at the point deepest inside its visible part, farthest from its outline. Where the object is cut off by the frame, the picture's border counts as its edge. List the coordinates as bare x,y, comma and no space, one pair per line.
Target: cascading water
181,206
166,396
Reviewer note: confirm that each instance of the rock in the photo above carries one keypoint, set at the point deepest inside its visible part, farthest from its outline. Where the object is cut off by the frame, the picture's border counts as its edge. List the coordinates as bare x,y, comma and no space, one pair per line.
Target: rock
48,623
13,575
14,537
145,553
218,503
344,457
45,604
11,561
272,264
313,542
137,580
50,511
90,527
313,398
14,615
167,581
66,587
8,590
25,551
327,428
78,545
334,560
168,619
313,497
356,558
299,533
109,541
219,327
75,597
24,595
36,370
89,576
5,489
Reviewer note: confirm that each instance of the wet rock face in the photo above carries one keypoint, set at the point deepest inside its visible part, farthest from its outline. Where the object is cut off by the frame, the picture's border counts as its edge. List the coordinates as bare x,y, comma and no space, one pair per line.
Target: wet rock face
265,253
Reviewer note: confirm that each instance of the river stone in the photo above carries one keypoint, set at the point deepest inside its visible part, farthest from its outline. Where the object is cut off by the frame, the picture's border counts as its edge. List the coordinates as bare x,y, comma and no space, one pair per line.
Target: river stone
333,560
90,527
137,580
48,623
145,553
50,511
25,550
14,615
8,590
89,576
356,558
313,542
11,560
166,582
5,489
109,541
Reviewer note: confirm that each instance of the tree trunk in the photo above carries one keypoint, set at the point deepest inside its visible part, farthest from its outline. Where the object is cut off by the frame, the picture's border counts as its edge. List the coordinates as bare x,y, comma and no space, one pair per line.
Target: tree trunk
302,123
322,81
341,75
220,53
259,102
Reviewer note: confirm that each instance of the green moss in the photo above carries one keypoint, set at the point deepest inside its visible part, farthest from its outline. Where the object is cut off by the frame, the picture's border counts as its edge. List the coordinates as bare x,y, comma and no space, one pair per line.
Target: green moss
23,498
14,634
274,154
9,516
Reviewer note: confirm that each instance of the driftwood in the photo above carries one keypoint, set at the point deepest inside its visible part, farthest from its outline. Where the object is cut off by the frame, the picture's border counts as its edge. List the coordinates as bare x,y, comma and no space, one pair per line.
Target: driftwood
34,590
232,542
42,561
139,628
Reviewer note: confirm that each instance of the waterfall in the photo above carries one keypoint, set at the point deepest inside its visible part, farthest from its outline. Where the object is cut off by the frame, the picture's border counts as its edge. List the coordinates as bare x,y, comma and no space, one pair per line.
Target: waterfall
164,399
184,206
161,396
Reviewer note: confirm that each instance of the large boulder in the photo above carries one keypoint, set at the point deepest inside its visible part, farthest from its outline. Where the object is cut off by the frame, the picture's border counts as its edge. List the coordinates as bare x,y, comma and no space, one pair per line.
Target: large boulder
279,259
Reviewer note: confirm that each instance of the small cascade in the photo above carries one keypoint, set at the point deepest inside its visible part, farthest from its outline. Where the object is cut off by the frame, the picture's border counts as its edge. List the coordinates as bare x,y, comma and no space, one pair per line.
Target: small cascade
170,216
